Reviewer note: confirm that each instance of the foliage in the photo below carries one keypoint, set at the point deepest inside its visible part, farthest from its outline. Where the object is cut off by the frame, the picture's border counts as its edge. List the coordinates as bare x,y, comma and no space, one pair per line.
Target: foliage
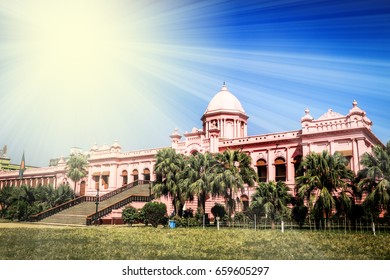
200,173
325,180
170,178
240,217
8,197
76,168
155,212
375,180
299,213
38,242
234,171
218,210
19,203
188,213
186,221
130,215
273,198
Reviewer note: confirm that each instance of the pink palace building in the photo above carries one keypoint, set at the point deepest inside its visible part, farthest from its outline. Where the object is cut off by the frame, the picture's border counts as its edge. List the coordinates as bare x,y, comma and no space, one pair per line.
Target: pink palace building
275,156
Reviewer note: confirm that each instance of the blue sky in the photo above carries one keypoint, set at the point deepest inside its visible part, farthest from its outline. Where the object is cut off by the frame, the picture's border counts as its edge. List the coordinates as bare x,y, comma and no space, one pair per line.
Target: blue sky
73,73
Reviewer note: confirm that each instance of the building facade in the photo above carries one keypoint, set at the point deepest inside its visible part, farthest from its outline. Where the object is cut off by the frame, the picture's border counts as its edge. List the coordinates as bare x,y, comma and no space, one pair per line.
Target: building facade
275,156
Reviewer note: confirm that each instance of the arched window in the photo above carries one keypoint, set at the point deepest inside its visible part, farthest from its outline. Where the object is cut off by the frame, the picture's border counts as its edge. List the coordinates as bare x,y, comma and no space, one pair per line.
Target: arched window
348,156
262,170
124,177
135,175
280,169
146,174
105,179
297,162
194,152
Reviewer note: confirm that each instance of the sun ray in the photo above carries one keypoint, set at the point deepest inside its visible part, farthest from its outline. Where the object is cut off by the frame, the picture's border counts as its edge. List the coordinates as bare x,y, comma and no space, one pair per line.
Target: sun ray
79,72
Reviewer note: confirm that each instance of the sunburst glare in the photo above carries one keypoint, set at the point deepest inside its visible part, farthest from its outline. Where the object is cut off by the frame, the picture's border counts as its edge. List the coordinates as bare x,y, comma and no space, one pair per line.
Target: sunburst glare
77,72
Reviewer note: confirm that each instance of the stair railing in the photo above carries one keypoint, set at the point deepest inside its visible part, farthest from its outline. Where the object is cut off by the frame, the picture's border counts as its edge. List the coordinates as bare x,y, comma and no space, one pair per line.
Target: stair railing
95,217
81,199
59,208
122,189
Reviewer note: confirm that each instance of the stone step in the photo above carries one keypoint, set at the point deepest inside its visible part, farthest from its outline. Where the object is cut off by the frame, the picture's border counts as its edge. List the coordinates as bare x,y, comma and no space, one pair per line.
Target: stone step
78,213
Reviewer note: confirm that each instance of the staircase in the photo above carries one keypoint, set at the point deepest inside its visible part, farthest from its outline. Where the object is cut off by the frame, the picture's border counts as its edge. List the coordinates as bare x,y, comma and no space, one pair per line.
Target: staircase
83,212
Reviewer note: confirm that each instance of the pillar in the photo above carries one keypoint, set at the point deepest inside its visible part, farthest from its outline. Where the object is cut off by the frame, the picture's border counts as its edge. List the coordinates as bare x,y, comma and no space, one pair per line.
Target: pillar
355,159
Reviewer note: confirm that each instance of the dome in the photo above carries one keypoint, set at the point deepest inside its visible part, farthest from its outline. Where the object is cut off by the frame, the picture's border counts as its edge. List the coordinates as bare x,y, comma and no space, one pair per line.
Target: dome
224,100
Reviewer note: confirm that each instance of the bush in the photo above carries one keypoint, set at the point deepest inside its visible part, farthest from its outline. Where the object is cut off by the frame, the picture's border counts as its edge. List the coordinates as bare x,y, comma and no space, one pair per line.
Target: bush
218,210
239,217
299,214
188,213
186,222
154,212
130,215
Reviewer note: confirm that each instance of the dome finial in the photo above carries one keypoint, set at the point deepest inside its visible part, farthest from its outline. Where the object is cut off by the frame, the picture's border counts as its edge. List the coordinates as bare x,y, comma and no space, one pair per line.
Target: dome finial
224,87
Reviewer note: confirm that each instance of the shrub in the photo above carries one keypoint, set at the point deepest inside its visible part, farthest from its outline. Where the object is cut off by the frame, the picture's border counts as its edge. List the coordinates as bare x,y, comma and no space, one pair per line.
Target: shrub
130,215
188,213
218,210
299,214
154,212
186,222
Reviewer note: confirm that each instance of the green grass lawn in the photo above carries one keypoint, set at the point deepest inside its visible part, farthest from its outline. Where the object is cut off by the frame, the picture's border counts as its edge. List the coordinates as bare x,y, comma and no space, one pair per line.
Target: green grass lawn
23,241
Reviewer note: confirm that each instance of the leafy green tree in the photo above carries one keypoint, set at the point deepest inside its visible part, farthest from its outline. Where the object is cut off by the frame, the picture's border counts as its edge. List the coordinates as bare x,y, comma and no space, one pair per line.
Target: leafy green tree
325,180
170,178
62,194
234,171
24,205
76,168
130,215
273,198
154,212
200,173
375,180
8,196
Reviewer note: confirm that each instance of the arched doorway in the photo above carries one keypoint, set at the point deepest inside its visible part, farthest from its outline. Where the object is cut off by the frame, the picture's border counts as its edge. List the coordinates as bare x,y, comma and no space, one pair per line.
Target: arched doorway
82,188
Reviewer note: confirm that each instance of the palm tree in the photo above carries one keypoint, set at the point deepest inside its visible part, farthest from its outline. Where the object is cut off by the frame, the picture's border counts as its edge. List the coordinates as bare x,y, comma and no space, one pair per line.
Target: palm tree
76,168
25,202
170,182
234,171
62,194
325,180
376,179
200,173
272,198
7,198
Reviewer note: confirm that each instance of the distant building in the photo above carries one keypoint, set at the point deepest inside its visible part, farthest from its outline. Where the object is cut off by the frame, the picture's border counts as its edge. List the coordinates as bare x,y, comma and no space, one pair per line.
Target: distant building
275,156
5,162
